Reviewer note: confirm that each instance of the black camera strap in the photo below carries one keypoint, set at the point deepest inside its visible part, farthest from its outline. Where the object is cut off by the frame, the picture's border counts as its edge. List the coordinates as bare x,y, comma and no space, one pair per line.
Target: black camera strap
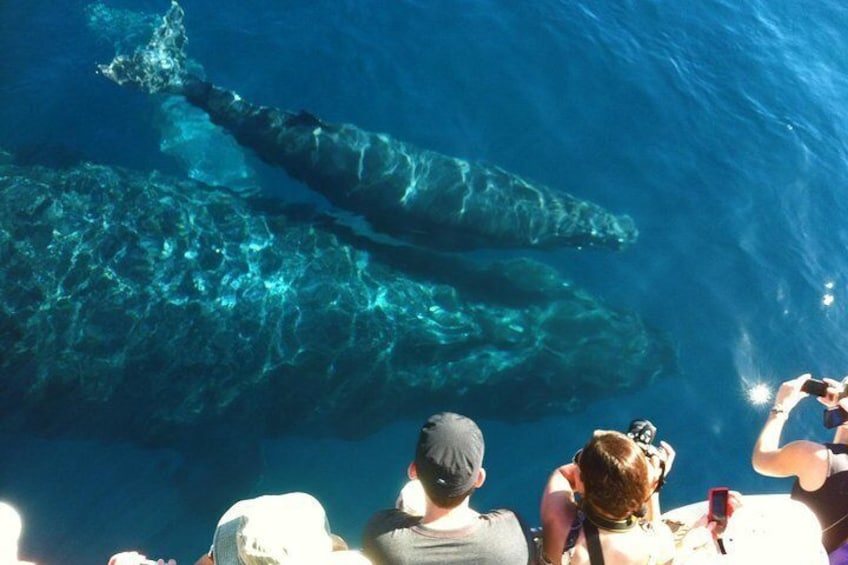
592,522
607,523
593,543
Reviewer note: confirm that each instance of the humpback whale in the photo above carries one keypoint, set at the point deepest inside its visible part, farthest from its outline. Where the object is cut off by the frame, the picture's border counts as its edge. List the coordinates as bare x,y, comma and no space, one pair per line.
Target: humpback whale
142,306
413,194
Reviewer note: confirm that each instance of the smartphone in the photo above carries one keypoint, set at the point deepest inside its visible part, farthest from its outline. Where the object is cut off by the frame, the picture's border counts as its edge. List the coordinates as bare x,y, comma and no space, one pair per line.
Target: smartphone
834,416
815,387
718,507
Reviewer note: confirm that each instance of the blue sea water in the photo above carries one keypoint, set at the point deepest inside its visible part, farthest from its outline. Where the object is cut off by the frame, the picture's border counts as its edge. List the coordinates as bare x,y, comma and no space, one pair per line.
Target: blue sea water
718,126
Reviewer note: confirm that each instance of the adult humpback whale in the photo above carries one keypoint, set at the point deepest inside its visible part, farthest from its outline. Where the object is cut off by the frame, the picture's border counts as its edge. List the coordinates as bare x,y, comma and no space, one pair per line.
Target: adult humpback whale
410,193
145,307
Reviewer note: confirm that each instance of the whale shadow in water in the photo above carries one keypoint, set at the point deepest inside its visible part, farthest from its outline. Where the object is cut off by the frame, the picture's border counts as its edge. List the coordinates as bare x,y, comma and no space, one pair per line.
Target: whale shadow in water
170,313
122,290
410,193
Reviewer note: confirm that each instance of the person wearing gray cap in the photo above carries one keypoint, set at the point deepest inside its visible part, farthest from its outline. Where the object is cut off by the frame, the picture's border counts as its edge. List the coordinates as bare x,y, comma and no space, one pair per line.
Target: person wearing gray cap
445,529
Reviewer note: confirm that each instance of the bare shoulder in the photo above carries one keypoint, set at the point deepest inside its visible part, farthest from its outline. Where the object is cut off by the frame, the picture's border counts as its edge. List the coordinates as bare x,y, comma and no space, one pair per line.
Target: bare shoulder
804,459
664,543
811,464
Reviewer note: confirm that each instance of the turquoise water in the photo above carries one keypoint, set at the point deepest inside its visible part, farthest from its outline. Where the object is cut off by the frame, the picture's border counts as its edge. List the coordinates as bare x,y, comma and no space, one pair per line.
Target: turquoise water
718,127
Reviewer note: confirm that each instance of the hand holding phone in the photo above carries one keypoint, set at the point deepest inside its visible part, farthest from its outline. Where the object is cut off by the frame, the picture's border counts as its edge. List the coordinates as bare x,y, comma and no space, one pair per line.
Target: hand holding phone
834,416
719,509
815,387
828,391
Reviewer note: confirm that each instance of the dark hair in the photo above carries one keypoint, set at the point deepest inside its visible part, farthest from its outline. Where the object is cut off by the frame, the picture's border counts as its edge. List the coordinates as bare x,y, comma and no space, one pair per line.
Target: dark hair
446,502
614,471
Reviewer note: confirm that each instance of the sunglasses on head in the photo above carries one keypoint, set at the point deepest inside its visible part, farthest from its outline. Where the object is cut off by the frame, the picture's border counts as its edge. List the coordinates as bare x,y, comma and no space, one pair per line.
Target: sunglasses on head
576,458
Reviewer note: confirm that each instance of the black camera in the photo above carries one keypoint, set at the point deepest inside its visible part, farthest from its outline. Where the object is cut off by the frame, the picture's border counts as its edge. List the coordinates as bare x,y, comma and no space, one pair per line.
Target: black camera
643,432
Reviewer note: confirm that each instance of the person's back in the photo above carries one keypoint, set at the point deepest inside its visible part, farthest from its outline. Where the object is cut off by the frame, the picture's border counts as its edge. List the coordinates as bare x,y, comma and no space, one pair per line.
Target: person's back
639,546
829,501
397,538
448,462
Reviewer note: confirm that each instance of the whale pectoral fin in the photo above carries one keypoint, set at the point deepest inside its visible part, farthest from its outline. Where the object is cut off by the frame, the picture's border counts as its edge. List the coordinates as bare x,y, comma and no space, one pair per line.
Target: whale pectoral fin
303,118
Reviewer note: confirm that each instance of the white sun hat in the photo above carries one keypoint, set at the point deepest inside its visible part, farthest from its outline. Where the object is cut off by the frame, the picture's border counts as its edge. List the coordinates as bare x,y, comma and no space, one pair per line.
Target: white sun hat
284,529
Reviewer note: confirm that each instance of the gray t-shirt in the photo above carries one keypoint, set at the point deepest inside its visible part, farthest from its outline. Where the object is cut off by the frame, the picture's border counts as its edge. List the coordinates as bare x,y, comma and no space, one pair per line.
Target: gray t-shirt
393,537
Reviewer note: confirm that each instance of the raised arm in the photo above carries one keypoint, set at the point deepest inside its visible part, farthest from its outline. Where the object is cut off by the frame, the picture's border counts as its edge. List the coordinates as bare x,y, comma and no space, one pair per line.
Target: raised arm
806,460
558,510
659,468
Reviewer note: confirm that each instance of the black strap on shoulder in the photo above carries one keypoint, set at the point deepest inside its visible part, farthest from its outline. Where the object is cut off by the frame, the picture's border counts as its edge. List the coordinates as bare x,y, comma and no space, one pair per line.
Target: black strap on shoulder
606,524
593,543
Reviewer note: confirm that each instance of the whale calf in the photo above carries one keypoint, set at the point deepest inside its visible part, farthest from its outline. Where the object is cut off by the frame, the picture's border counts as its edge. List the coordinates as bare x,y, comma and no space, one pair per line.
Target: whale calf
142,306
413,194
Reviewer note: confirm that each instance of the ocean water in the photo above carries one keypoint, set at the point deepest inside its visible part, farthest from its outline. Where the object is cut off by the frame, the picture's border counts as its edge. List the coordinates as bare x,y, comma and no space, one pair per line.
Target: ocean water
718,126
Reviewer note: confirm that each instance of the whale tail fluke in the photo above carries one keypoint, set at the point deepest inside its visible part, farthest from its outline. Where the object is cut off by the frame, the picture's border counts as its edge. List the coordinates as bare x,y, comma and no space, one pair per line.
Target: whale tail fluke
159,66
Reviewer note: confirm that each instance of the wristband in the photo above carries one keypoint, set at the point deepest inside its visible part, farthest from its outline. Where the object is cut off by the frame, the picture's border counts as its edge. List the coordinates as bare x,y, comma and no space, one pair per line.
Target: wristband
778,410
